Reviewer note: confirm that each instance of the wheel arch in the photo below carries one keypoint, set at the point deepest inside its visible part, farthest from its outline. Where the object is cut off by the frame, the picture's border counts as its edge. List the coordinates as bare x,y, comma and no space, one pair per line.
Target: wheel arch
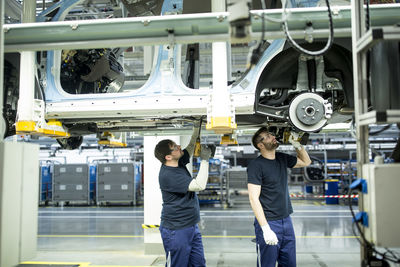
282,70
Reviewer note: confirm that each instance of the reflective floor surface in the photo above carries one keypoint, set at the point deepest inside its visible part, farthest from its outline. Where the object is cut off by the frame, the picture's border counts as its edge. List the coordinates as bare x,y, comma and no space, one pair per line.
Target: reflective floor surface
113,236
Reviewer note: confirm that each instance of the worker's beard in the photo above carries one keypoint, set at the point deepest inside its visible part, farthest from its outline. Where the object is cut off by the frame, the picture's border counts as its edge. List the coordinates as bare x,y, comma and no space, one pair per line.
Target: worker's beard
271,146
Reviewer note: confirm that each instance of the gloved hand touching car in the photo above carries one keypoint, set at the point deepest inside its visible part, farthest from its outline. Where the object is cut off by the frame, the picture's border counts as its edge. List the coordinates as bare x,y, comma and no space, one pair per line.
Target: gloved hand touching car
294,140
269,235
205,152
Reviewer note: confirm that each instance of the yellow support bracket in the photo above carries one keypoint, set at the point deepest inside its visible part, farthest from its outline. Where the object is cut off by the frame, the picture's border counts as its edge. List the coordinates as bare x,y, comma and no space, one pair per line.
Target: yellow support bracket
221,125
53,128
228,139
111,143
108,139
25,126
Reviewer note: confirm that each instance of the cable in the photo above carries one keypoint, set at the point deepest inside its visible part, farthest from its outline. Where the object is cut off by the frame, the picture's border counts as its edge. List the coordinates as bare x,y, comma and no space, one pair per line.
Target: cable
300,49
259,50
283,16
355,221
394,255
256,54
365,242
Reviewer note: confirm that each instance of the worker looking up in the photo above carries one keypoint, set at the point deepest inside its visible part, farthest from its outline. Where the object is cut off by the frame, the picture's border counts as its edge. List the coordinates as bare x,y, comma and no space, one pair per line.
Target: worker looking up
181,212
269,199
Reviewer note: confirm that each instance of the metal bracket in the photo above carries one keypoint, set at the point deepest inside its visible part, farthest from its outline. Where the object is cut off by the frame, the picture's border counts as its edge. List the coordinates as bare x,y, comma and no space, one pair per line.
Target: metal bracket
39,127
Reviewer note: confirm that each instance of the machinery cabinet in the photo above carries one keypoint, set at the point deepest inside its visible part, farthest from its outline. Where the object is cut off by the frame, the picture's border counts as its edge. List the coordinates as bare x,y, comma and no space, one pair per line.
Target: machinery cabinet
116,183
236,186
71,183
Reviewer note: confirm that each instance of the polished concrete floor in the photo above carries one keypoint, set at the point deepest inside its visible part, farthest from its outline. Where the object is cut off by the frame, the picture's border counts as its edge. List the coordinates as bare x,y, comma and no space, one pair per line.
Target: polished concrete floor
113,236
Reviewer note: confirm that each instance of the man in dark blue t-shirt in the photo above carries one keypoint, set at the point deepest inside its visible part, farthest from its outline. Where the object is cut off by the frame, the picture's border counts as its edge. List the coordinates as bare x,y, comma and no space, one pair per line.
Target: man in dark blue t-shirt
269,199
180,213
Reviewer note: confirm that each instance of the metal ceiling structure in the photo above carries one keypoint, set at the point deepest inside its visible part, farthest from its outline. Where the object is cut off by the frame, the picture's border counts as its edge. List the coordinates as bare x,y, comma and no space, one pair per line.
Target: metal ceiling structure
190,28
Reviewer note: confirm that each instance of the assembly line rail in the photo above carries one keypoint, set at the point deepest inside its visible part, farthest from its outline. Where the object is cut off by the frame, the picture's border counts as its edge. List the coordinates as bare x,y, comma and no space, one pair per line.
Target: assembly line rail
188,28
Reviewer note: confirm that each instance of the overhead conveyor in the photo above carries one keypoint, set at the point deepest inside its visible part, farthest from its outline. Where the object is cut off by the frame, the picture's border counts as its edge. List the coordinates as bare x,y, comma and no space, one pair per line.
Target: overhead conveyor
190,28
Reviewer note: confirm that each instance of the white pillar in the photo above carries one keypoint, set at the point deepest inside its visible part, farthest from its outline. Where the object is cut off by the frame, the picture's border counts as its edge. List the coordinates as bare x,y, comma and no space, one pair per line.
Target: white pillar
152,193
27,70
19,191
219,59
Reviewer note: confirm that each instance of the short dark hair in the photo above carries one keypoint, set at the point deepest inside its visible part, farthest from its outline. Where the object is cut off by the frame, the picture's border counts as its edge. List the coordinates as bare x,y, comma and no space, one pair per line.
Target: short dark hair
162,149
256,137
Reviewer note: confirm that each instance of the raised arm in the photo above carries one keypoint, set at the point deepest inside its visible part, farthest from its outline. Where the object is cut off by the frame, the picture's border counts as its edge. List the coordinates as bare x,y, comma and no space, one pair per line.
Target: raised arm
303,159
190,147
200,182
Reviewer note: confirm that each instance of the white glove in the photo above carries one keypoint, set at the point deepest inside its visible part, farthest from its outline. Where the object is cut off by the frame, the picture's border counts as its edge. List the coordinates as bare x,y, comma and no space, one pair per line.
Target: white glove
293,139
205,152
269,235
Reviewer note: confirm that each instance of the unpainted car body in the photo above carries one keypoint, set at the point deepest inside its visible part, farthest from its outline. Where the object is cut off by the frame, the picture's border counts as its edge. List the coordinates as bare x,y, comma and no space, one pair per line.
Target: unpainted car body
284,89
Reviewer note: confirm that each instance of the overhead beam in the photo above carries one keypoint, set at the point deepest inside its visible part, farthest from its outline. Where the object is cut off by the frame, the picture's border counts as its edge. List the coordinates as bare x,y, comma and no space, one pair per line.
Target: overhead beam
190,28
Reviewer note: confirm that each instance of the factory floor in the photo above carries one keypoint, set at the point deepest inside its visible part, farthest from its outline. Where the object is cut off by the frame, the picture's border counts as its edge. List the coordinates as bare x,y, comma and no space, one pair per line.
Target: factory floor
113,236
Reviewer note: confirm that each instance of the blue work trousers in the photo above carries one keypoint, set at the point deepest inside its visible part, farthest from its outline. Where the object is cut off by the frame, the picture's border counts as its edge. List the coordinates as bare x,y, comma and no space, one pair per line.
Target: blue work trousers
284,252
184,247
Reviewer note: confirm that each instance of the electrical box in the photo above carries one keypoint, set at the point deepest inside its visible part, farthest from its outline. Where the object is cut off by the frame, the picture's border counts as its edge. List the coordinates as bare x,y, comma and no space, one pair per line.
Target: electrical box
116,183
383,182
71,183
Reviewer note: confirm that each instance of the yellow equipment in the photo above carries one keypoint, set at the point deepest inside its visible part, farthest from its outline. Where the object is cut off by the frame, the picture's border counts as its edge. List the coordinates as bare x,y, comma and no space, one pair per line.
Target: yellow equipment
197,147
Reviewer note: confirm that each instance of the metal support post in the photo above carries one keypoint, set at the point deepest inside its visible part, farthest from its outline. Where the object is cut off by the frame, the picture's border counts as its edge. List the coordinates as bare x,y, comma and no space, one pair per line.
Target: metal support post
30,112
18,185
360,96
27,71
360,83
325,159
229,61
220,114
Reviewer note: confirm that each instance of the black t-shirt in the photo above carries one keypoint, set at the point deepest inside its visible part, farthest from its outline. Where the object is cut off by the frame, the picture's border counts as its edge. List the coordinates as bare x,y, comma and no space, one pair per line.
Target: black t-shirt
180,206
272,176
